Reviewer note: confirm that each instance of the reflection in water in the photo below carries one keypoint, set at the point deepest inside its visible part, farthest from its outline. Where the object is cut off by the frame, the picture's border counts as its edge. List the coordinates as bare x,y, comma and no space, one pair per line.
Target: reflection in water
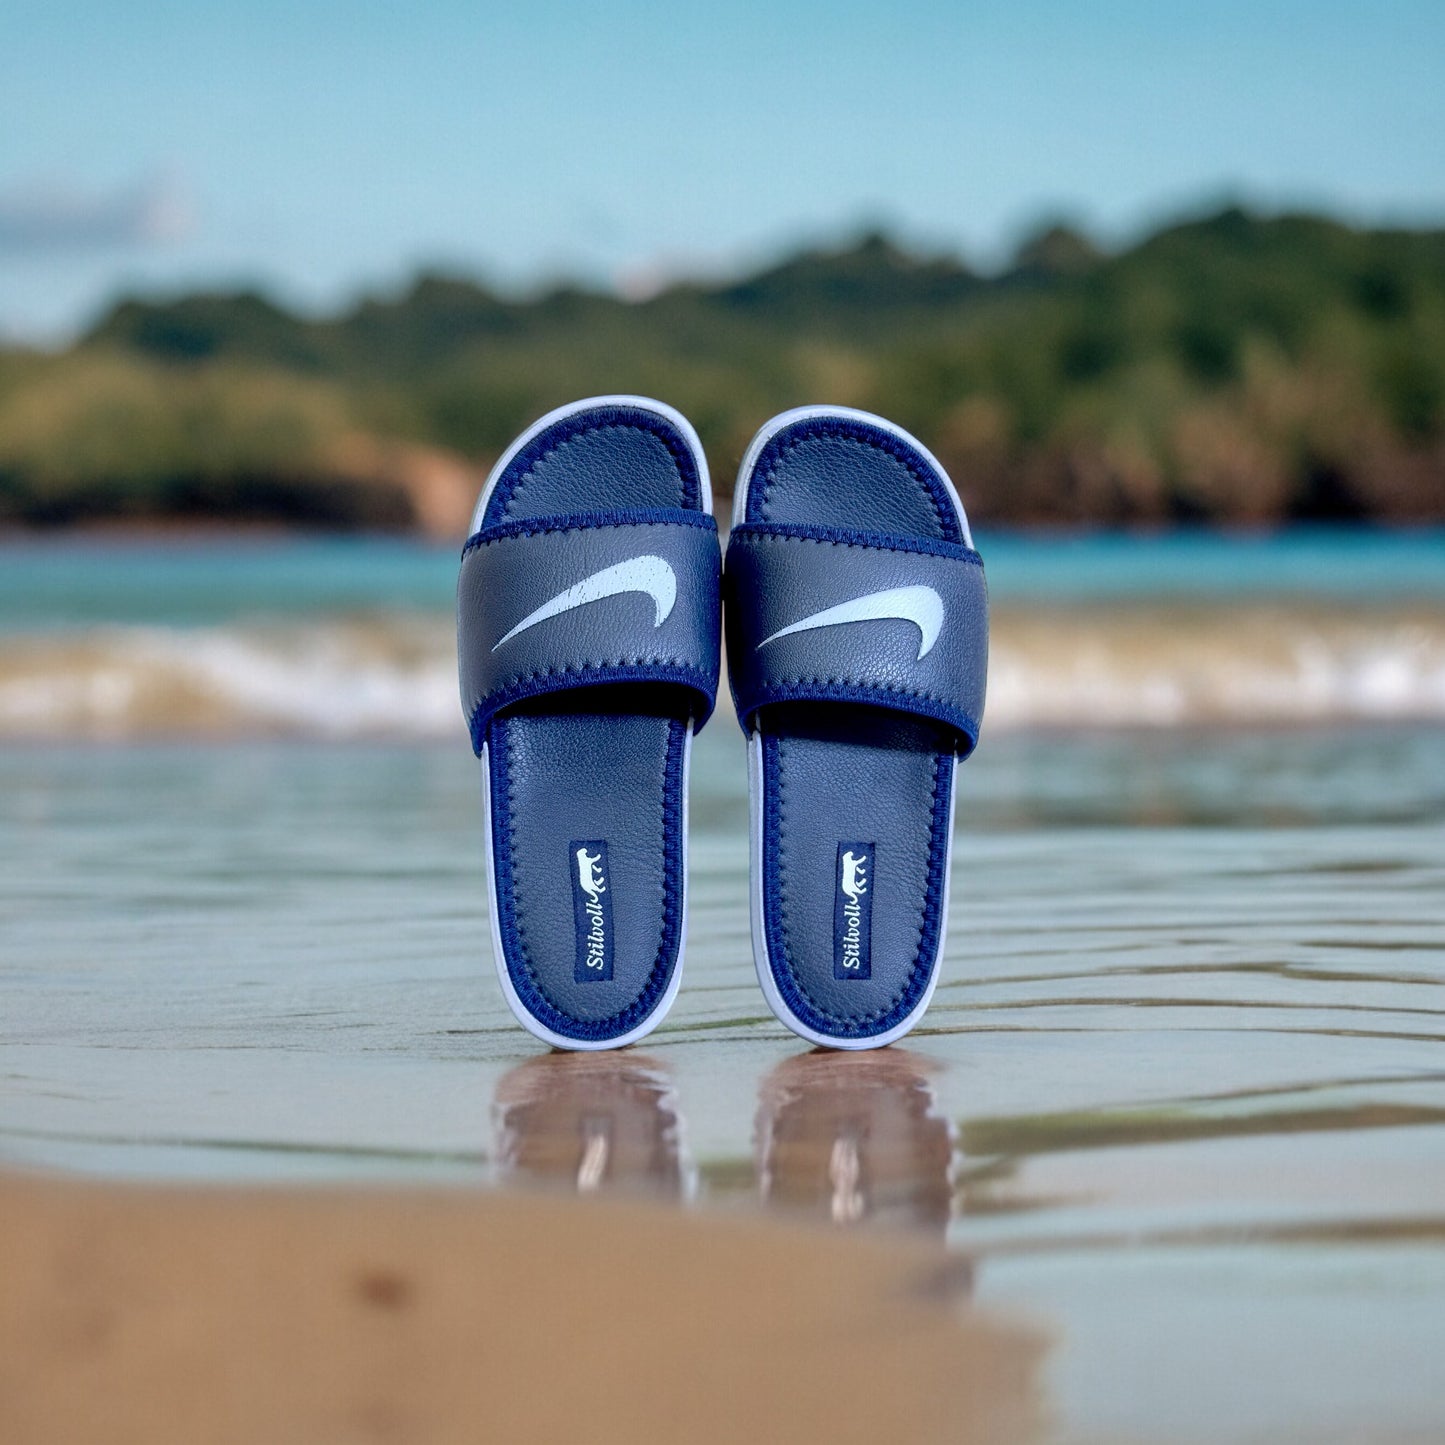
589,1123
855,1138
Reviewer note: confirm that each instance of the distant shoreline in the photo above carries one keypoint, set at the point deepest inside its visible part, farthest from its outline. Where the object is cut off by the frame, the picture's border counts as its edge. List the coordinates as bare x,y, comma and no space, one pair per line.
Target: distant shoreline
1231,369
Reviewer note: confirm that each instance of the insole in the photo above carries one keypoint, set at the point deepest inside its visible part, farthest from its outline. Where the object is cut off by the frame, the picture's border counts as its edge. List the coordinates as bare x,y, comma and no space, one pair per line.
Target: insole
855,842
611,785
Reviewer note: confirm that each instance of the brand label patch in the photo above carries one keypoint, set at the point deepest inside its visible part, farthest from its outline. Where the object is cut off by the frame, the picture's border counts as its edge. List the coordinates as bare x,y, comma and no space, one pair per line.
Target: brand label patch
591,910
853,911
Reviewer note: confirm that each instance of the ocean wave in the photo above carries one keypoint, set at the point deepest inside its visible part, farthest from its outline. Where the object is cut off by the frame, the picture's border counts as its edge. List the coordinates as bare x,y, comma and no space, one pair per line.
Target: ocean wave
351,678
395,676
1183,667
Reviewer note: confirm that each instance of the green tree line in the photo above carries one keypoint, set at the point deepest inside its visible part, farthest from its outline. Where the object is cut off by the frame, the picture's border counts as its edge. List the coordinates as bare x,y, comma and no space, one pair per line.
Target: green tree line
1231,369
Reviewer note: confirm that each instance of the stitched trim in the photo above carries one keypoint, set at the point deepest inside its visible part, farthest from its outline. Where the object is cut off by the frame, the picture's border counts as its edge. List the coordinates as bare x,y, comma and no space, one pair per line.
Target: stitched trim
660,670
606,418
784,873
806,1008
818,689
525,979
758,532
856,433
587,522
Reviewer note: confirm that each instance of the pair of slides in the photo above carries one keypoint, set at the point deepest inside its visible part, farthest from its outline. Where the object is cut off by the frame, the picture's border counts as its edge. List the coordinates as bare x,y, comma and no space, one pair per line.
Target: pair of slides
588,619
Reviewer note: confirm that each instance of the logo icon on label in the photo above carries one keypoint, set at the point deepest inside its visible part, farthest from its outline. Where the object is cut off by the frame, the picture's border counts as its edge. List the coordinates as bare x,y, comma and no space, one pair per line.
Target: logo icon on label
853,912
589,880
591,912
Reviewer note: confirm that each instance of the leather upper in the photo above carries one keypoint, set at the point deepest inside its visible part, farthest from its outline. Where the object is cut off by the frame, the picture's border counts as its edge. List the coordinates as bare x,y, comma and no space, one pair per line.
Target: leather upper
824,615
549,604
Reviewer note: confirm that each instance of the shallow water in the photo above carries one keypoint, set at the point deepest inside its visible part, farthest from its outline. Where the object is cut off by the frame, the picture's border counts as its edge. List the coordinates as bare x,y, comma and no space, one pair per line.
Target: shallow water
1181,1096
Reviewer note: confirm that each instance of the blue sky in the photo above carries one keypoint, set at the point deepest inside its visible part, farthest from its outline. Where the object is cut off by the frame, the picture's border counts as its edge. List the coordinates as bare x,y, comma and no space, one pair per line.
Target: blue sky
323,148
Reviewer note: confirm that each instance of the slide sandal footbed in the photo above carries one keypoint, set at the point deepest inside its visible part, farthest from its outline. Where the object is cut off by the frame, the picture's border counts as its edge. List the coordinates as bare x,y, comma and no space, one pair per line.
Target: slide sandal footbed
872,781
604,763
831,776
537,812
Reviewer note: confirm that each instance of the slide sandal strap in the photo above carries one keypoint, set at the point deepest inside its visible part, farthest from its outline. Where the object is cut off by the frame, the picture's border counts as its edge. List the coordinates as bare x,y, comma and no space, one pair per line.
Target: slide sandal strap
826,615
555,603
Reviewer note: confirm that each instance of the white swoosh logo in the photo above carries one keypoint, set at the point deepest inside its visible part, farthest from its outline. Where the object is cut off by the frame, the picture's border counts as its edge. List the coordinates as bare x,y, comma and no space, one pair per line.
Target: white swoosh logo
921,606
638,574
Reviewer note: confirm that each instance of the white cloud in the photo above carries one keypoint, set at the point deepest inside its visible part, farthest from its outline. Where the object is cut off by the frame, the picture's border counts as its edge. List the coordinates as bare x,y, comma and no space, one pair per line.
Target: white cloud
49,217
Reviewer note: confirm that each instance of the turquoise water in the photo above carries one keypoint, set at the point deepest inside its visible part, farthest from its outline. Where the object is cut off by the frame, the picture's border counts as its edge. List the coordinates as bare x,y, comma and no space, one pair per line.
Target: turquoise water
65,581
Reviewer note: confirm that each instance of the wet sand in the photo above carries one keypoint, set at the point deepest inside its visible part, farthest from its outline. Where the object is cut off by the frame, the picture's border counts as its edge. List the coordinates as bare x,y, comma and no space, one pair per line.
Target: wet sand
141,1314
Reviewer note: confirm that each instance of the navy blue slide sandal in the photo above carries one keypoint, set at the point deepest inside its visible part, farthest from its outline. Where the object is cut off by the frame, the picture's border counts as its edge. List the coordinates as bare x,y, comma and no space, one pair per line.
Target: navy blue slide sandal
857,629
588,645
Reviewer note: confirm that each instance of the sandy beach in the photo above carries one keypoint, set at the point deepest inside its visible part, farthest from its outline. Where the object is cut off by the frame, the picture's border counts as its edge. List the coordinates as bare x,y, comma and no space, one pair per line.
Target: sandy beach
150,1314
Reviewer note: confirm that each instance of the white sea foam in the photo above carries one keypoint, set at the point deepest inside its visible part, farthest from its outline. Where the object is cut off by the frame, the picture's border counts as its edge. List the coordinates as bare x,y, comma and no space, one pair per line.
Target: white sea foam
1186,667
327,679
396,676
